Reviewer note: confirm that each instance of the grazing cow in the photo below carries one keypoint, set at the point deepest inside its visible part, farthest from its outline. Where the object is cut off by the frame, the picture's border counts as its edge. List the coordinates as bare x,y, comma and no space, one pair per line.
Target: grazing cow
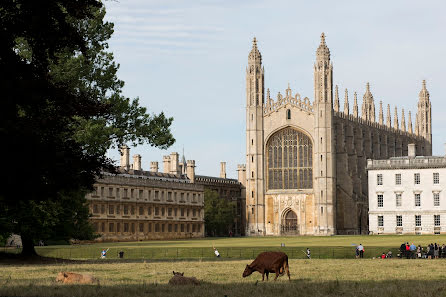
76,278
179,279
266,262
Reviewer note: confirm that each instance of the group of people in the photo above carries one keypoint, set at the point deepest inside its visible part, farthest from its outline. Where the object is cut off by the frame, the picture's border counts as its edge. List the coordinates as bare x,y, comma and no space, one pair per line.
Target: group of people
432,251
359,251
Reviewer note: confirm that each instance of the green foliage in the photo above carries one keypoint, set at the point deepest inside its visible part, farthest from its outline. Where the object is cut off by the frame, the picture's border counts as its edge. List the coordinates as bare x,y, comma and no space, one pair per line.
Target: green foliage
61,109
218,214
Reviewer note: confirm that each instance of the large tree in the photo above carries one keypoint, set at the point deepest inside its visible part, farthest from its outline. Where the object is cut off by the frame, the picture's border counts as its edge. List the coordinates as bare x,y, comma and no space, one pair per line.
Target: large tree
219,214
61,109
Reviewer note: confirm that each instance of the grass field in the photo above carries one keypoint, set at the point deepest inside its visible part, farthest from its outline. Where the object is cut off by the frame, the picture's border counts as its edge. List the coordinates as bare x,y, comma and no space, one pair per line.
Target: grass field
335,247
313,277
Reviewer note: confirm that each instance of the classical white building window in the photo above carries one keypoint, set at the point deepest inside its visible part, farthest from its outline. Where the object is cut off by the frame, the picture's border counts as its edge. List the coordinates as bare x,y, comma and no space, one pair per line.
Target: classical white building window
417,199
436,176
380,200
379,179
416,178
437,220
417,221
380,221
398,179
398,199
399,221
436,199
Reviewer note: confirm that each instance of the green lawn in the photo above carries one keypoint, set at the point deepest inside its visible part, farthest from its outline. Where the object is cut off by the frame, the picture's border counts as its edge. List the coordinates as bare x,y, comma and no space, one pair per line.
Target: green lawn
242,248
313,278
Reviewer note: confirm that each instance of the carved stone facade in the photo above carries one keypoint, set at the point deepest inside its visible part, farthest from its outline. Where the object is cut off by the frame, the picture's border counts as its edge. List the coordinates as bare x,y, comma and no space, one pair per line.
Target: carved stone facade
318,187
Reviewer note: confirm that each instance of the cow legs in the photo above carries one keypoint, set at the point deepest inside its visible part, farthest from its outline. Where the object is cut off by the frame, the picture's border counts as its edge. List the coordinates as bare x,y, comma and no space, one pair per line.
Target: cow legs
267,273
288,272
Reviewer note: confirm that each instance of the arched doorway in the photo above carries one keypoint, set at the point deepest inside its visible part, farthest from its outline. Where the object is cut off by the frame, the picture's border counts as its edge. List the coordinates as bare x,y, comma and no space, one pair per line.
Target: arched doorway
289,223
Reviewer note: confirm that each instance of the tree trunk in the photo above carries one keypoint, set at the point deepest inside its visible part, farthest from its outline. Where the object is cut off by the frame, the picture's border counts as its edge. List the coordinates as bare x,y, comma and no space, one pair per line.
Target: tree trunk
28,247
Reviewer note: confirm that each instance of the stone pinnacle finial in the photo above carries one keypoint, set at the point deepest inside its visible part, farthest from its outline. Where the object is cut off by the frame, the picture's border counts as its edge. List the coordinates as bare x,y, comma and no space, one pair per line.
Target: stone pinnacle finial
395,119
381,115
368,87
346,105
323,38
409,125
355,105
424,93
403,121
336,103
389,117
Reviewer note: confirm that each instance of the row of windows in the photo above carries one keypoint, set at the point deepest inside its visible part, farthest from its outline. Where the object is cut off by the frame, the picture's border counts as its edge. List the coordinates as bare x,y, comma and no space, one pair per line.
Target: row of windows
399,221
147,227
138,193
417,199
416,177
126,210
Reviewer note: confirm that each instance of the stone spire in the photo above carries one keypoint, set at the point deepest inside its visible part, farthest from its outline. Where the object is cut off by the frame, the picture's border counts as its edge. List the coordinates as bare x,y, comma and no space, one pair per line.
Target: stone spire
423,125
323,53
254,54
346,105
409,125
381,115
403,121
336,101
368,105
389,117
355,105
395,119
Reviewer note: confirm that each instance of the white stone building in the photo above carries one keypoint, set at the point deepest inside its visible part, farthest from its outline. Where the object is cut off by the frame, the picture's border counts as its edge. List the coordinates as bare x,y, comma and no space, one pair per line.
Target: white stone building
407,194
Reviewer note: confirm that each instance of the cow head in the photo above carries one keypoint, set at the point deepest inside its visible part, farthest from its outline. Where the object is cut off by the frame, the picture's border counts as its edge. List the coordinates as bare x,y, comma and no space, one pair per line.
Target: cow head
248,271
178,273
61,276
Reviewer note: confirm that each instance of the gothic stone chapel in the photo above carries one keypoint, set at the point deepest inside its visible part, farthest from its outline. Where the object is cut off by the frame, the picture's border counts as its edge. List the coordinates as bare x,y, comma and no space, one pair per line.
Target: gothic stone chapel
306,161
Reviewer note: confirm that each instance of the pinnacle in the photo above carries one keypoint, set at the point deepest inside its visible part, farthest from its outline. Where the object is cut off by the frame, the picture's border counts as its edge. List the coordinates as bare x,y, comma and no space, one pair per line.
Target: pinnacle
323,38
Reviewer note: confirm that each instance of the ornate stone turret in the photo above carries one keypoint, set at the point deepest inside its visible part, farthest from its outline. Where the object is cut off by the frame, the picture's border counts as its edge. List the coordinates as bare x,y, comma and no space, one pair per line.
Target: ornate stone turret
336,101
403,121
355,105
381,115
389,117
424,119
346,105
395,119
324,170
409,125
368,105
255,200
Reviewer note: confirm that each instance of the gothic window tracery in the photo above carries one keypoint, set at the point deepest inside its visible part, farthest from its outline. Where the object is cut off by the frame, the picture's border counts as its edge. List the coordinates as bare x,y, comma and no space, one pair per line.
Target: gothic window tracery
289,160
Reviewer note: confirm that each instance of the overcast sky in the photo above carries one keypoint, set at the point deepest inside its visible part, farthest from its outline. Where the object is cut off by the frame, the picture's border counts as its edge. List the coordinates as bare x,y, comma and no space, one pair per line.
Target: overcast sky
188,59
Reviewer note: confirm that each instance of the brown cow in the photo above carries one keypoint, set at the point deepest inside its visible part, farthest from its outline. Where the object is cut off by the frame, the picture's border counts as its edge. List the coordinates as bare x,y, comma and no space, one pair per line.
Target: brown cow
266,262
179,279
75,278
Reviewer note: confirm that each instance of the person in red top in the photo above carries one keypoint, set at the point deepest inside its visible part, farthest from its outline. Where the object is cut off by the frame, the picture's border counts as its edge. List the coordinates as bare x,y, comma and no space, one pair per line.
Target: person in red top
383,256
407,250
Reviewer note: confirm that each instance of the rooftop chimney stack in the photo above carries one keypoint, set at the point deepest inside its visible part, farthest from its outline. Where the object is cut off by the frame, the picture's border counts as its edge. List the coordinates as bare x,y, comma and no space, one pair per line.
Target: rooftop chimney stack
154,166
174,163
411,150
223,169
125,157
137,162
190,170
166,164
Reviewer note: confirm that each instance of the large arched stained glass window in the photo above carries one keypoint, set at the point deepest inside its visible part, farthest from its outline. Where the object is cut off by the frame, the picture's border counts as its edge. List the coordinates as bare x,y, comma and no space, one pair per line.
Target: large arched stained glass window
289,160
